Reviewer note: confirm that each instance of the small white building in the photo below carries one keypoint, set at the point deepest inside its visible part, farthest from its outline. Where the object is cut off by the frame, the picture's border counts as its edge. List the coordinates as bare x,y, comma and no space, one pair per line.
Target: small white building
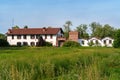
95,41
107,41
83,42
29,36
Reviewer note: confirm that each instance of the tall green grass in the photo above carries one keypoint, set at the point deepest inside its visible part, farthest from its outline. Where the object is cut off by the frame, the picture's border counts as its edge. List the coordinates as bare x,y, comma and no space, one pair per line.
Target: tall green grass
28,63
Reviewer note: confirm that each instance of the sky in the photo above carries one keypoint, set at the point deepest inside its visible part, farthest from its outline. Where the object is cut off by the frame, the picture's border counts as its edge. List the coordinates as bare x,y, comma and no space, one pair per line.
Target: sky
44,13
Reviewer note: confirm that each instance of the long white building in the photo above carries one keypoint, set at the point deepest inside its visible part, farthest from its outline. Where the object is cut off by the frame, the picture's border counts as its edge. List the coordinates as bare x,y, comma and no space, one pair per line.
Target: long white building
29,36
107,41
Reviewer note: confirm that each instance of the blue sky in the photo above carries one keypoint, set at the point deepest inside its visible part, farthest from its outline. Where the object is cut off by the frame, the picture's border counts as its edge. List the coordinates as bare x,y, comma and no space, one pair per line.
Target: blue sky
44,13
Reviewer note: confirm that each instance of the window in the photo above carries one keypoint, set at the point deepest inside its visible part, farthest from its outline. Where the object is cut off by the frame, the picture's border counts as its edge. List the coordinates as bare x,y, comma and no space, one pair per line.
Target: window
24,37
91,43
45,36
51,36
18,43
12,36
110,41
83,42
104,41
37,43
32,37
19,37
25,44
37,36
96,41
32,44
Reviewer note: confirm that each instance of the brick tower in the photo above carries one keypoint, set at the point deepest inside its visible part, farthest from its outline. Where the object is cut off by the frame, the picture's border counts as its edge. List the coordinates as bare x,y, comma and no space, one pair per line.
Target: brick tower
73,36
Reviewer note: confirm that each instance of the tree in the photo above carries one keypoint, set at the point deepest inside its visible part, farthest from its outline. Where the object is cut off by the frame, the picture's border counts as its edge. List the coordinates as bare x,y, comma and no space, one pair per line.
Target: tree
3,43
41,42
107,30
91,43
82,29
15,27
25,26
71,44
94,26
116,43
67,28
100,31
2,36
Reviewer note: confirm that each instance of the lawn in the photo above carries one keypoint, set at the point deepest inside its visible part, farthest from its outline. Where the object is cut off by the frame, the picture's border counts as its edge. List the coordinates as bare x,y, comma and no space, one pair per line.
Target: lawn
52,63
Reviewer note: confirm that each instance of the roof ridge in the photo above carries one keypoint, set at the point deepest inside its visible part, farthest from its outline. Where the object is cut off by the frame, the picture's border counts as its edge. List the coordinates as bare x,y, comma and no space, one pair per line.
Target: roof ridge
34,31
35,28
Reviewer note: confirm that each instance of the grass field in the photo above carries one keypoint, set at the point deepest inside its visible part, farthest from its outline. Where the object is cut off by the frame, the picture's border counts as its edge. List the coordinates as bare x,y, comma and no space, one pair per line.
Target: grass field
51,63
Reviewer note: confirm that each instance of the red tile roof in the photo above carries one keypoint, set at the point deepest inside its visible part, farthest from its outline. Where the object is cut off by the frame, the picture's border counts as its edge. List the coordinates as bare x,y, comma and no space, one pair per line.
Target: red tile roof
33,31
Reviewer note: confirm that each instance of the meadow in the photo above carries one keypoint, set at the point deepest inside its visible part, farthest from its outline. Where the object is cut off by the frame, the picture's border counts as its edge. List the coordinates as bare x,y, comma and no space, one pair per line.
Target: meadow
52,63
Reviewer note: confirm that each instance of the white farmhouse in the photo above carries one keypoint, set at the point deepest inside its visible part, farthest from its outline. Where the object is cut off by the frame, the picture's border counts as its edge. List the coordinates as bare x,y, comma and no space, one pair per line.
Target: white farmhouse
29,36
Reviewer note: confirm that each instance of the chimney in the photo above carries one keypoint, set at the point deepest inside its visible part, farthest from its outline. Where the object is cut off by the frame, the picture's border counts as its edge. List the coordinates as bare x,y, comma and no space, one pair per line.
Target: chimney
9,31
44,29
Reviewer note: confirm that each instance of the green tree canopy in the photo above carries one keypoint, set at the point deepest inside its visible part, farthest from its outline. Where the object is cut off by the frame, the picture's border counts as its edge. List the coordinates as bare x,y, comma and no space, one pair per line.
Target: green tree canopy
3,43
102,31
116,43
25,26
15,27
108,31
94,28
67,28
82,29
2,36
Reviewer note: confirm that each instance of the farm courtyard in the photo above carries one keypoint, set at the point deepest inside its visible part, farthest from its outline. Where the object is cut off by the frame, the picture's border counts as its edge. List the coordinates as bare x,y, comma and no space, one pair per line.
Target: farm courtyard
52,63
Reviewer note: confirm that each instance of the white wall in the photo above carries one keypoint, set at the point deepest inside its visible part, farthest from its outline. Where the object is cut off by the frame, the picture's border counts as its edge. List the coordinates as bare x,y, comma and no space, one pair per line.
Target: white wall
29,40
53,40
15,40
83,40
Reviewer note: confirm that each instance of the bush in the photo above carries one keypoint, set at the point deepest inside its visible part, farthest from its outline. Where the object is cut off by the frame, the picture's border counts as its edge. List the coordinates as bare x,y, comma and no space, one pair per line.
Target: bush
3,43
2,36
42,42
48,44
71,44
91,43
116,43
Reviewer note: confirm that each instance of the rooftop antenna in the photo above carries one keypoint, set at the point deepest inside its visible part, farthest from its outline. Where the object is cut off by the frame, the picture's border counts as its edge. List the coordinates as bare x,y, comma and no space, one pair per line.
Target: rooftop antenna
13,22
